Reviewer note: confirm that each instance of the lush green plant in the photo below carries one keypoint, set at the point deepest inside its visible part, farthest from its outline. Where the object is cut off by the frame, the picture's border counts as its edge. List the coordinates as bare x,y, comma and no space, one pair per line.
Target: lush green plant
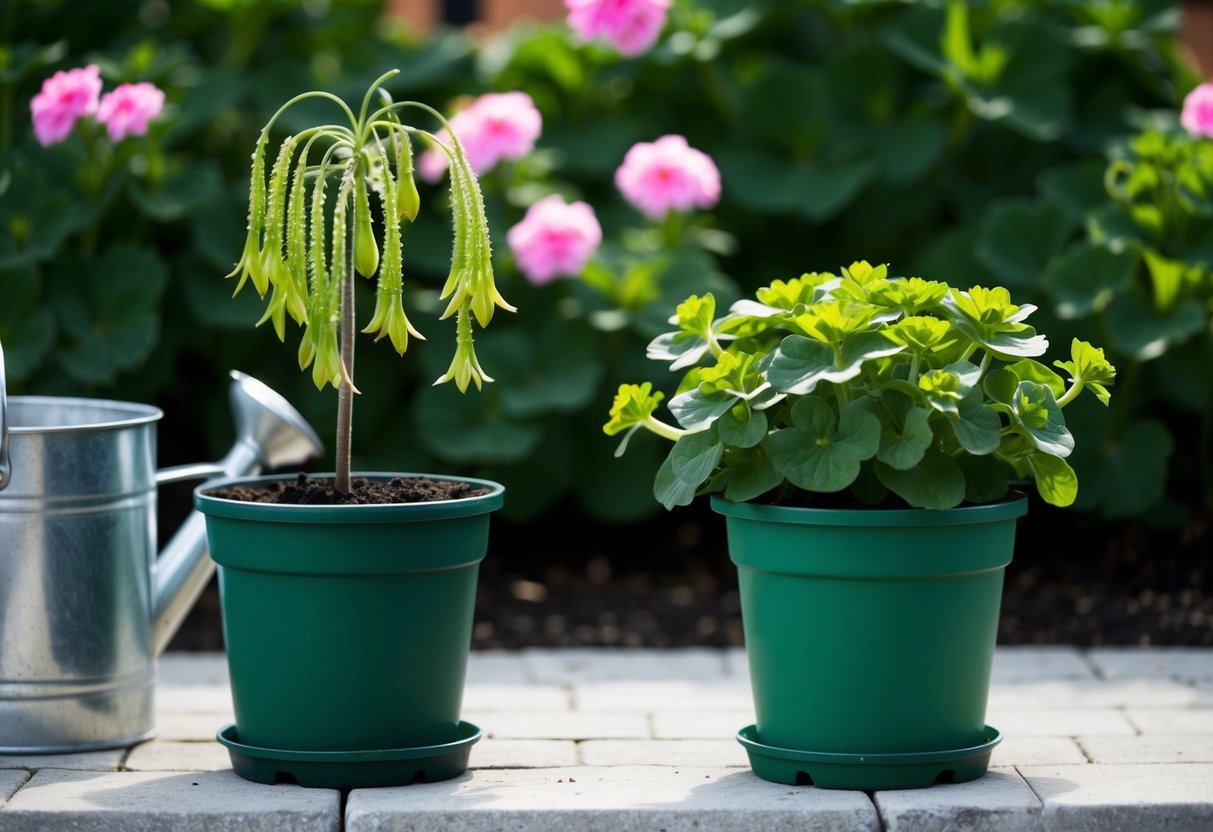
1128,253
862,383
291,240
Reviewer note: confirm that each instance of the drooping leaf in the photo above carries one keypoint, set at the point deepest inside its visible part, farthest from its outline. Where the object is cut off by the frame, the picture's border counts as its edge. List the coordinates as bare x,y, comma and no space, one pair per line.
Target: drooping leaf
669,490
694,457
1055,479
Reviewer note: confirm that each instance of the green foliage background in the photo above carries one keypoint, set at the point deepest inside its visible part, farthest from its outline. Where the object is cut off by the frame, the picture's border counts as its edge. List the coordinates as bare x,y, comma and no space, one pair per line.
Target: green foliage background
967,142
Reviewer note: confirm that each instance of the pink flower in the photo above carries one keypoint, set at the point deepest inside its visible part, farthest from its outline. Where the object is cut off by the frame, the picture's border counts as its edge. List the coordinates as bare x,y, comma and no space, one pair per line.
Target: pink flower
65,97
495,126
631,26
668,175
555,239
128,108
1197,117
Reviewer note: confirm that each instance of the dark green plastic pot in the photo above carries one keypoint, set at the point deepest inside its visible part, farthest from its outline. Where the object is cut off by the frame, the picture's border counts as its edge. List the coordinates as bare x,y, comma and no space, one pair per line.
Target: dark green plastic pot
870,637
347,628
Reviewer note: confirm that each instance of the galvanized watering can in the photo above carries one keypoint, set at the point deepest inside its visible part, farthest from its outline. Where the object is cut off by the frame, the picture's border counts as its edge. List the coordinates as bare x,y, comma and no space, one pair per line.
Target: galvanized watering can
85,603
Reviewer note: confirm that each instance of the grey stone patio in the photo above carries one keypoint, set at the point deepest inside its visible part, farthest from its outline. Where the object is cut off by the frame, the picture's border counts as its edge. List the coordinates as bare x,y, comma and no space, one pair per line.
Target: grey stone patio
1112,739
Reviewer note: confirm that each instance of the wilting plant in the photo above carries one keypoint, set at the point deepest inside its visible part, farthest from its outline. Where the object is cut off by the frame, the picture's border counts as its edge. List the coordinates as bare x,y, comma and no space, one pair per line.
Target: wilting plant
304,251
867,384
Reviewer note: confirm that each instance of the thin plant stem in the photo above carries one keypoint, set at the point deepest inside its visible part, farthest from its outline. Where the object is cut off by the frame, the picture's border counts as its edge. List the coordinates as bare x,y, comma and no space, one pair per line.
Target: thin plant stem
345,393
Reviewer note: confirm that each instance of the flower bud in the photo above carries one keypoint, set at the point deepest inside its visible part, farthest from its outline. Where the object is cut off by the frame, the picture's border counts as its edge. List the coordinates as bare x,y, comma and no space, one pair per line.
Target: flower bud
366,250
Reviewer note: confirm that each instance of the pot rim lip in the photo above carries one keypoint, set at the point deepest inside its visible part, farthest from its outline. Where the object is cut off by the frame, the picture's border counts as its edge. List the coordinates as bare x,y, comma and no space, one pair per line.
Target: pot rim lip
381,512
132,414
1009,508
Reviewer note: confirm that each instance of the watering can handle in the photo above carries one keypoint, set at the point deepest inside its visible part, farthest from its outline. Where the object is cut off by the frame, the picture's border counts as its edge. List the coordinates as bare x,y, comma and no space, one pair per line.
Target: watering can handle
6,470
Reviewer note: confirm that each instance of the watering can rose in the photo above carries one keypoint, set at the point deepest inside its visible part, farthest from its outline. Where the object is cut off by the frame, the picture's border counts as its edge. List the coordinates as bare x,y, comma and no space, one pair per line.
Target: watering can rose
890,388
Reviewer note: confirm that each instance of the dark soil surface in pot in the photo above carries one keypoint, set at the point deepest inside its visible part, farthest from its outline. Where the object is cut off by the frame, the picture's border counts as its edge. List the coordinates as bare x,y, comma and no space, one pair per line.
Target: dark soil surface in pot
567,581
318,492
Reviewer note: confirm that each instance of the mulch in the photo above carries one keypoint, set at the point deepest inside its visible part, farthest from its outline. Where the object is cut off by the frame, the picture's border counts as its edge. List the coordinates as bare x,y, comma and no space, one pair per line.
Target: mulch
668,582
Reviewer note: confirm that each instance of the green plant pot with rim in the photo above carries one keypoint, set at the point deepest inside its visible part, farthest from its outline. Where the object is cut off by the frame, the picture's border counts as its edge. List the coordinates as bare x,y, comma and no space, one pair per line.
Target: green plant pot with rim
870,637
348,629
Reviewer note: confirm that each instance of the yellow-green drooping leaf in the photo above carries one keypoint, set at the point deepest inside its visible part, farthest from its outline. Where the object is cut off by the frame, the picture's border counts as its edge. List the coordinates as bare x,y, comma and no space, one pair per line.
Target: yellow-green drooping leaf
1089,368
1055,479
634,403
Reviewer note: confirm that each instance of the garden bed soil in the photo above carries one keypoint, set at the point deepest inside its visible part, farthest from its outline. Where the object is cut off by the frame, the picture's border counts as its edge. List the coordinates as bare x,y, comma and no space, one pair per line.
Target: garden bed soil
565,581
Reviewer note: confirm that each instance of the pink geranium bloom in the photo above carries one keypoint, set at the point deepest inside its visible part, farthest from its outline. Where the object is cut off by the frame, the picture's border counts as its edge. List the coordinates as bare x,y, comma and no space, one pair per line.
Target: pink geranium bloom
128,108
555,239
631,26
65,97
1197,117
668,175
494,127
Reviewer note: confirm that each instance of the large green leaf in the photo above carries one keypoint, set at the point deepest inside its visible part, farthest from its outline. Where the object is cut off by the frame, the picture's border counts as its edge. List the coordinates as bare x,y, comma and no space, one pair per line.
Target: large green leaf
1019,238
178,194
752,478
1055,479
693,410
669,489
694,457
1136,330
985,478
35,217
108,310
27,328
976,425
743,432
936,482
1087,277
817,467
1036,410
902,446
463,428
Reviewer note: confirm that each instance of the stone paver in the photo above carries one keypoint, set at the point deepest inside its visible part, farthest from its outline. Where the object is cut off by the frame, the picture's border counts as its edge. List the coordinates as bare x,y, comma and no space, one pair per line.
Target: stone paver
1159,692
1068,722
499,697
1038,751
645,697
86,761
618,740
209,801
1149,748
700,725
1193,664
1172,720
721,753
159,755
1102,798
10,781
561,726
999,802
565,667
493,753
618,799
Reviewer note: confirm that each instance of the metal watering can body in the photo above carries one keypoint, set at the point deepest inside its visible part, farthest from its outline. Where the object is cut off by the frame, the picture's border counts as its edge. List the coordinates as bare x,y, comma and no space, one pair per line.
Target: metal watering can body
85,603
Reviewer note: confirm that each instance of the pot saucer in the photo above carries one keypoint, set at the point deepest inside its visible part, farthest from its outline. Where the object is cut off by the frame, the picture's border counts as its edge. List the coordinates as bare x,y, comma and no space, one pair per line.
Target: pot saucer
352,769
867,772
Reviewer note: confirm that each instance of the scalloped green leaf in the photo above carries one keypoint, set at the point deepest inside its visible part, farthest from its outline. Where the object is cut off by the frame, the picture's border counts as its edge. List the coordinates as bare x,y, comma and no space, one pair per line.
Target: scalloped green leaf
1028,370
935,483
752,478
977,427
902,447
694,457
669,490
1036,410
693,410
742,432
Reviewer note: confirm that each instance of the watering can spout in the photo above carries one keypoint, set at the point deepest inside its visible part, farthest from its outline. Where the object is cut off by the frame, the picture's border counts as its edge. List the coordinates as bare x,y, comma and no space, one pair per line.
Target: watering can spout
270,433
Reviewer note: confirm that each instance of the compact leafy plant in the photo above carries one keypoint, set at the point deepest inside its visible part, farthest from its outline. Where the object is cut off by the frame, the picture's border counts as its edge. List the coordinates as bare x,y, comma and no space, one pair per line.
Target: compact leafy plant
865,383
306,255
